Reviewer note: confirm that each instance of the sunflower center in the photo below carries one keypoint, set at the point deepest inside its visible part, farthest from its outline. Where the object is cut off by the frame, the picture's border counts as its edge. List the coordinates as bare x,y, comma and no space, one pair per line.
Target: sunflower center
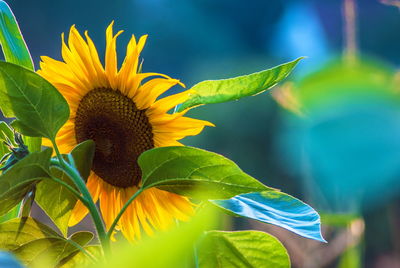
120,131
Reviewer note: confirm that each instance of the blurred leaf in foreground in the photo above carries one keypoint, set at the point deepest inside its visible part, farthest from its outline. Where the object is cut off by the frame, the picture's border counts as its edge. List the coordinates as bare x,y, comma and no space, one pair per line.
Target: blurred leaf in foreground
250,249
171,249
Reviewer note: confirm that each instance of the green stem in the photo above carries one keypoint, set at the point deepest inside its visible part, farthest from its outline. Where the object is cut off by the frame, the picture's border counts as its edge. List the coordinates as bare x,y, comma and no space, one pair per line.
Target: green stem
115,222
94,212
66,185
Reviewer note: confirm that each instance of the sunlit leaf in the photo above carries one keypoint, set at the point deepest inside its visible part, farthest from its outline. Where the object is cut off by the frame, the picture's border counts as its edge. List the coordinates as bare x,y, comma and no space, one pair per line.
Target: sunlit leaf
55,199
245,249
79,259
217,91
11,214
6,133
83,155
191,171
276,208
11,39
3,150
40,109
171,249
6,136
35,243
17,181
15,51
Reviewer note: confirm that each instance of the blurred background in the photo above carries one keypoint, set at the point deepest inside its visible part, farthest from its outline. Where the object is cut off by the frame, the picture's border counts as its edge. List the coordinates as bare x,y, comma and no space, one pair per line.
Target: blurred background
329,135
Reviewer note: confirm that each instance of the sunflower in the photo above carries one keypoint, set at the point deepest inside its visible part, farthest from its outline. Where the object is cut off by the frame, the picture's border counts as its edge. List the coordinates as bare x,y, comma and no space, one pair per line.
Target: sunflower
120,110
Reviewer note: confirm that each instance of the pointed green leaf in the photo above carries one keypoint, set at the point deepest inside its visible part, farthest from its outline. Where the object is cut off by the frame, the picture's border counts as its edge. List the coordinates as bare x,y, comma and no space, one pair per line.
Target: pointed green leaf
56,200
40,109
191,171
17,181
6,136
3,150
15,51
217,91
245,249
6,133
81,238
11,39
35,243
83,155
276,208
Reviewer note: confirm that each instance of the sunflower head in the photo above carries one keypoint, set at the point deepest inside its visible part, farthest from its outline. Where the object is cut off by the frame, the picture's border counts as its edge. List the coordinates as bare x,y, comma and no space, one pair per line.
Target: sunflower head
120,110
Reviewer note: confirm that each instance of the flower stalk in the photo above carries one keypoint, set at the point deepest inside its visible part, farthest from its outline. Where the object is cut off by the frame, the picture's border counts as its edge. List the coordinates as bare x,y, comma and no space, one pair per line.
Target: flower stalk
73,173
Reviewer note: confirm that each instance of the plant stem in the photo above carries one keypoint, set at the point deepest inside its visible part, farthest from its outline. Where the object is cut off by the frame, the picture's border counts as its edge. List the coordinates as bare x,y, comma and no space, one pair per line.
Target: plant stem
94,212
126,205
66,185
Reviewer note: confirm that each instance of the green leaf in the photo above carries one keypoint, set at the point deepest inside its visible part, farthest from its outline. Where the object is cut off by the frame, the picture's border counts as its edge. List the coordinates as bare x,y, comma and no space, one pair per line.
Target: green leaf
83,155
35,244
34,144
3,150
195,172
11,39
79,259
13,213
6,133
241,249
40,109
172,248
15,51
217,91
17,181
56,200
82,238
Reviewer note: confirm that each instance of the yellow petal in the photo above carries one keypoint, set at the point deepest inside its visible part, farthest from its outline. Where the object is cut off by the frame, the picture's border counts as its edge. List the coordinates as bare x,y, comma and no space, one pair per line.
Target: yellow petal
165,104
151,90
111,56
